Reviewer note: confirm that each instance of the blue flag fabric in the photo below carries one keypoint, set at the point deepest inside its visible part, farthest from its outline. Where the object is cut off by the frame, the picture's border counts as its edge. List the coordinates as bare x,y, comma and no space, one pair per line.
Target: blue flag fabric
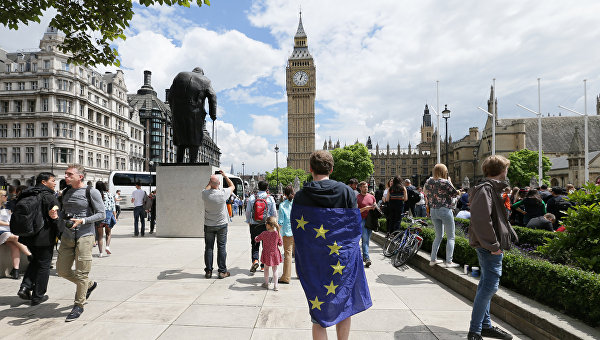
329,262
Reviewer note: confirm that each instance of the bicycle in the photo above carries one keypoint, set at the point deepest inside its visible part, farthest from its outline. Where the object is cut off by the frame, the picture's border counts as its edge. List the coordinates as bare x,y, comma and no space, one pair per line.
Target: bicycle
402,245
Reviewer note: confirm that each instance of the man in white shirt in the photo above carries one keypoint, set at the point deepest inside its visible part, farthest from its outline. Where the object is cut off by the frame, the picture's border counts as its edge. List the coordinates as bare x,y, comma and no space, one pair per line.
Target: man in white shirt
215,223
138,196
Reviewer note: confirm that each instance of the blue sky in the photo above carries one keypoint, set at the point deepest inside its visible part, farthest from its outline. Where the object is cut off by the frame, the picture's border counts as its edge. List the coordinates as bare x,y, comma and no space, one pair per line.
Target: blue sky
377,63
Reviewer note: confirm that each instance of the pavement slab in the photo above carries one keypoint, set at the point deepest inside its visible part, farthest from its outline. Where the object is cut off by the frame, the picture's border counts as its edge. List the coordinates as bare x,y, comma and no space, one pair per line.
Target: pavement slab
154,288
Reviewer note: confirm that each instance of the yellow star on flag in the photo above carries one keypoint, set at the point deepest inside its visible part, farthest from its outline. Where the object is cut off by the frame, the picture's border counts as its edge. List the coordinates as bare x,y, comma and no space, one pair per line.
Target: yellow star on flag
331,288
301,222
316,303
337,268
334,248
321,232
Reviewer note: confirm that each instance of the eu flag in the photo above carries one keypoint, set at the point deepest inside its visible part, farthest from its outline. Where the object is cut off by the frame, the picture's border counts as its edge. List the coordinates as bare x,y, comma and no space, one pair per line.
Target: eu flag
329,262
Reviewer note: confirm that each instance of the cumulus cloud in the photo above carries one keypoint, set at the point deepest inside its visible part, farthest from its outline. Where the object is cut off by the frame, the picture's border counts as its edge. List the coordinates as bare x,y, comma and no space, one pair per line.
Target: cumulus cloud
265,125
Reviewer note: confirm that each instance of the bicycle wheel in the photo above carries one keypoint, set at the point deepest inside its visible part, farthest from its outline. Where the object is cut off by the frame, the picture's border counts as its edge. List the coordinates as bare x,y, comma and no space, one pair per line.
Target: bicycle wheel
391,244
404,253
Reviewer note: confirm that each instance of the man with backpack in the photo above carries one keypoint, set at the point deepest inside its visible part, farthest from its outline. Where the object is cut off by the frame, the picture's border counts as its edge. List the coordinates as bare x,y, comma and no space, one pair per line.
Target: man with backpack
413,196
557,205
81,207
260,206
44,205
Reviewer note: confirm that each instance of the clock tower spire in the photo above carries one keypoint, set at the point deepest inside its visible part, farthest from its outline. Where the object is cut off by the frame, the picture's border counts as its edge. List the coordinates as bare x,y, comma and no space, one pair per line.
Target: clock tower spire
301,90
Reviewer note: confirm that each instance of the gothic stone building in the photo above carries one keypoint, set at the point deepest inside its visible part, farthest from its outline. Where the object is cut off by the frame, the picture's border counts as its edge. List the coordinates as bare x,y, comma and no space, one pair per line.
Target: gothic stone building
53,113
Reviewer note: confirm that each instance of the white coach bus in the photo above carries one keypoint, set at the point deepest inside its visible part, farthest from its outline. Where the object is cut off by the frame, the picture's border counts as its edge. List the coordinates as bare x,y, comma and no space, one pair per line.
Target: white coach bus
125,181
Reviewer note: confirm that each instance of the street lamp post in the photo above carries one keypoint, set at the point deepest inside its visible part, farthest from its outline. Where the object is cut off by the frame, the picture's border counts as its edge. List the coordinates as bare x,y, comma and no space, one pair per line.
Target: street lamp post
150,164
437,95
539,116
277,163
475,153
52,155
446,115
585,133
243,187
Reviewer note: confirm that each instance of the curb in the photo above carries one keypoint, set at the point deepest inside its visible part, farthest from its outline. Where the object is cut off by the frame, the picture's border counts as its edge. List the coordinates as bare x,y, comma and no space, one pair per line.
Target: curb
528,316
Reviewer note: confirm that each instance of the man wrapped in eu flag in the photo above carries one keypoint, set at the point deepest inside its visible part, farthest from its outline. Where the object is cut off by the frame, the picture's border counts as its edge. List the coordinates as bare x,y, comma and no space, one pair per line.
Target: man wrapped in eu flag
326,226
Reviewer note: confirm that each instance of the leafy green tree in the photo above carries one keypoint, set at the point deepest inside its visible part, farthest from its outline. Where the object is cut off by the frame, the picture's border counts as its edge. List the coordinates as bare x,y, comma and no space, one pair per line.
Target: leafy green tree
352,161
286,176
89,25
524,165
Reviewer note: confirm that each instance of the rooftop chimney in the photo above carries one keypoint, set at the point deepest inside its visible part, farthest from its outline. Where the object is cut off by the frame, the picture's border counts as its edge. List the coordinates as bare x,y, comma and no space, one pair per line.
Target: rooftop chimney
147,78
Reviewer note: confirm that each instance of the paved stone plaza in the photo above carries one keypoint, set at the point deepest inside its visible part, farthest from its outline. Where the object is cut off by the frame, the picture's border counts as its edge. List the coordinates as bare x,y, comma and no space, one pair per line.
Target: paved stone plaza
154,288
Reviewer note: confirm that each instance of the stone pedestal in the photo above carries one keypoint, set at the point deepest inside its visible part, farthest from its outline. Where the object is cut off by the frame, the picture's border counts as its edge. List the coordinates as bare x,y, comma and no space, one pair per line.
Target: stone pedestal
179,205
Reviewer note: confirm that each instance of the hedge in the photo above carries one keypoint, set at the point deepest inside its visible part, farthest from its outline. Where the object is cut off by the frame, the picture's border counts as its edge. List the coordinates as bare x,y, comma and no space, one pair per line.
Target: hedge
574,291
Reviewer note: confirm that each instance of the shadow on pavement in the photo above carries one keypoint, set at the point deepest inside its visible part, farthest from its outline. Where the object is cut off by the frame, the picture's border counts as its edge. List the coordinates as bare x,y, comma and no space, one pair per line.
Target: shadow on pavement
398,280
177,274
417,332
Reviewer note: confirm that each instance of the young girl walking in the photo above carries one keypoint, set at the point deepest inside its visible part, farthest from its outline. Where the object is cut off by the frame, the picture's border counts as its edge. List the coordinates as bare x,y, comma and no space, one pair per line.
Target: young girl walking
271,257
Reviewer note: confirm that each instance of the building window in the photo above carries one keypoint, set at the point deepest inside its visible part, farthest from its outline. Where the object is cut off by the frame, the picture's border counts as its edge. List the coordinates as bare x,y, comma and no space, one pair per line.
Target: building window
64,155
105,162
106,141
46,83
98,161
29,155
98,118
30,130
90,136
4,130
45,104
71,128
17,130
46,64
90,115
104,102
81,110
18,106
7,86
31,105
81,157
382,171
81,135
106,121
99,139
65,66
4,106
44,129
3,156
21,85
414,161
16,155
57,129
90,159
34,68
403,161
403,171
122,163
117,163
44,154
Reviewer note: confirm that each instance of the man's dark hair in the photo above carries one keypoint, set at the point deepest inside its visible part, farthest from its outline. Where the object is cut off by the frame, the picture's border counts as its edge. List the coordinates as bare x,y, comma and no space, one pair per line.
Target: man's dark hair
352,181
321,162
543,187
12,189
558,190
263,185
381,186
288,190
44,176
101,186
138,184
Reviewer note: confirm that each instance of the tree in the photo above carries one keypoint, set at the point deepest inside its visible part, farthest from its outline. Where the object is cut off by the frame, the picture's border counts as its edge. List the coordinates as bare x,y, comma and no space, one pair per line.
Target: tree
524,165
89,25
353,161
286,176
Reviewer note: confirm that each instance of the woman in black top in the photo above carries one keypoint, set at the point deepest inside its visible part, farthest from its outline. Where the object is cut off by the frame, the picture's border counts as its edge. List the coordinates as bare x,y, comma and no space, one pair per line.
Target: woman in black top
533,204
396,197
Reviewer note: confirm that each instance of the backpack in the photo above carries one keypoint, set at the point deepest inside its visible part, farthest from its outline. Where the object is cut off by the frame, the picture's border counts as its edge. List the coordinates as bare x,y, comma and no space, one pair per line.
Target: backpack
27,219
259,209
563,205
413,196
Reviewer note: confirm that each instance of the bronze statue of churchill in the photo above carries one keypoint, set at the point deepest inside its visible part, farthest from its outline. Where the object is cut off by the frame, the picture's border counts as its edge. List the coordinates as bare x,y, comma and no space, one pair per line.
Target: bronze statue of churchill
187,96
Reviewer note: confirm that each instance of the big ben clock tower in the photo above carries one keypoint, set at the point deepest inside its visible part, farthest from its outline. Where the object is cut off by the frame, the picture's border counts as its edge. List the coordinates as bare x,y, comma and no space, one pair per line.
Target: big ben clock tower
301,89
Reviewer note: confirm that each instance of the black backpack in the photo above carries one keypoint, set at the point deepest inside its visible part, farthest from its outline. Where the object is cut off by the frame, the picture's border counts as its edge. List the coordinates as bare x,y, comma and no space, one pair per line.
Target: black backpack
413,196
27,218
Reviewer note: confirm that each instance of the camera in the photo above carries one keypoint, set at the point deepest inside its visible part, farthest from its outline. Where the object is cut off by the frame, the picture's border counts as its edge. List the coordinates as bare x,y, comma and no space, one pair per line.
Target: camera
67,217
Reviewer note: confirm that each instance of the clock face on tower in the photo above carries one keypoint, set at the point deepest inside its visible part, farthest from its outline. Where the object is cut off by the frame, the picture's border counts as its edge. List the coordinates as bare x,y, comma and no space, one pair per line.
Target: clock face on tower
300,78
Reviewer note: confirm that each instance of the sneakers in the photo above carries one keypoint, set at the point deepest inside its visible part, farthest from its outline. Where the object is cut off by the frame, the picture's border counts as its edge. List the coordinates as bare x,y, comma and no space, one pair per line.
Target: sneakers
108,250
224,275
75,314
452,265
90,290
101,255
434,262
496,333
208,274
254,266
276,288
265,285
367,263
474,336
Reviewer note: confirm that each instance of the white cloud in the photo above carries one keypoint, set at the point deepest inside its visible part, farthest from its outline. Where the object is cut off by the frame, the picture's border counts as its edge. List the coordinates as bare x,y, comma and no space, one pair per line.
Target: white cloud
266,125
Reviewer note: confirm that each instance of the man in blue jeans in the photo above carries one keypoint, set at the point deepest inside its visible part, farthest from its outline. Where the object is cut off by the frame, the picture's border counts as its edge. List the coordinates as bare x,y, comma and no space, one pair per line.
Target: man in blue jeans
215,224
489,233
138,198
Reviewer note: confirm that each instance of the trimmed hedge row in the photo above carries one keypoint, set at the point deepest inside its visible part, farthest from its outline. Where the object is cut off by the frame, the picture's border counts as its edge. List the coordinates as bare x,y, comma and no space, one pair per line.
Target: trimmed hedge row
574,291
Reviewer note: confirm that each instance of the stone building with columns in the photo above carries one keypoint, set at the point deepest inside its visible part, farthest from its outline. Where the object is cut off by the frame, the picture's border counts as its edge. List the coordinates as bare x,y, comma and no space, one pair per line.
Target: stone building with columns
53,113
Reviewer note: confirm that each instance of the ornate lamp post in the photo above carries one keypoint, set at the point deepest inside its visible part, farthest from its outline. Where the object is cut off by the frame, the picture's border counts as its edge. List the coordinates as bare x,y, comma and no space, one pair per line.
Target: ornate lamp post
277,163
446,116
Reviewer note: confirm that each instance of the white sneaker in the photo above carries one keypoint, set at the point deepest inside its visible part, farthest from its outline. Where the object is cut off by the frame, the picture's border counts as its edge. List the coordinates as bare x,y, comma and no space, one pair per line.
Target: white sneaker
275,288
107,250
101,254
433,263
452,265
